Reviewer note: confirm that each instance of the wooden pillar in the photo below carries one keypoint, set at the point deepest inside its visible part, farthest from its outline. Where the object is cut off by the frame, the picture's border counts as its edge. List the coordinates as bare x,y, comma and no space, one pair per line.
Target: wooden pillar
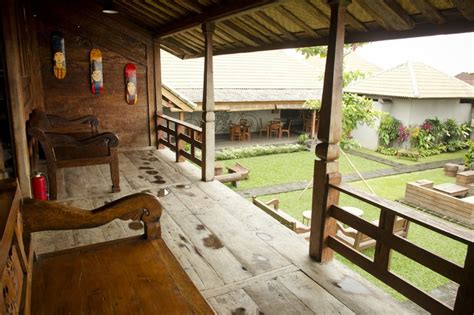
329,133
158,94
313,124
208,115
9,14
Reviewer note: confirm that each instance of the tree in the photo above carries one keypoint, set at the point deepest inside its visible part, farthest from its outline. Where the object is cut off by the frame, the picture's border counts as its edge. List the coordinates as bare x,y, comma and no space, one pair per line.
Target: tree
356,109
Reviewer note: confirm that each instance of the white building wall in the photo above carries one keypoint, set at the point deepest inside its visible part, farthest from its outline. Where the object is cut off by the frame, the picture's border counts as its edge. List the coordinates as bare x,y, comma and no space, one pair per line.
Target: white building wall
415,111
366,135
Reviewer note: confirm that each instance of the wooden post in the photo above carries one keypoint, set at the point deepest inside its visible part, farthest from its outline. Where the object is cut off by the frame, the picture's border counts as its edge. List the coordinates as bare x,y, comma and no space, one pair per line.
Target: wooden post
208,116
158,94
465,298
180,144
329,133
9,13
313,124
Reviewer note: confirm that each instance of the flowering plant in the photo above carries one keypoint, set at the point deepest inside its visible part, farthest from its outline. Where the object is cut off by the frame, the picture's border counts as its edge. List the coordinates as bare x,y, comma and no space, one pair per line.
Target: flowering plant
403,133
427,126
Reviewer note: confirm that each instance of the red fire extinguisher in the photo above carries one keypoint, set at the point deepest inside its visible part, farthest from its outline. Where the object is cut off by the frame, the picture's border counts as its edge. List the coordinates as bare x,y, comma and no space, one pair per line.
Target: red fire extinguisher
39,186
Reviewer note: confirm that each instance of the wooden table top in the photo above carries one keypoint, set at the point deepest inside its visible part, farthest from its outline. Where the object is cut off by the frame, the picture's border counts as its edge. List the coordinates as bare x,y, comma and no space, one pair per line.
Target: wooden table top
451,189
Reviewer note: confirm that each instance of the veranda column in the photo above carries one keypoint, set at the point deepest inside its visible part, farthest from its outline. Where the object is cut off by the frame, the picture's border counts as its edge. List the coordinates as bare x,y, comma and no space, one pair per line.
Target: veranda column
158,94
208,116
326,166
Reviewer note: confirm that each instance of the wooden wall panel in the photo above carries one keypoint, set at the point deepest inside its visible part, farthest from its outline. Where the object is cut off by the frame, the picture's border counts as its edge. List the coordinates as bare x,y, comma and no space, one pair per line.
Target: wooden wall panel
85,28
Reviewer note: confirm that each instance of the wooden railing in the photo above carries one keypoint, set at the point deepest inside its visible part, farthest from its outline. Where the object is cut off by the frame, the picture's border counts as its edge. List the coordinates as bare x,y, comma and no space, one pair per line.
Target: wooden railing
175,133
386,241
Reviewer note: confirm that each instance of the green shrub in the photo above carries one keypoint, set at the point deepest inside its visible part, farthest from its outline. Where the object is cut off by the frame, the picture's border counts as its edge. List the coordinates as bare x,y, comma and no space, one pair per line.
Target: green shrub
388,130
387,151
469,156
349,144
302,138
257,150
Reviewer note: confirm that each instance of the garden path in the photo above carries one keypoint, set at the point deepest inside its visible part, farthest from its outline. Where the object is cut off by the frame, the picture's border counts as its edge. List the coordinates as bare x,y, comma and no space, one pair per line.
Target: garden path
399,169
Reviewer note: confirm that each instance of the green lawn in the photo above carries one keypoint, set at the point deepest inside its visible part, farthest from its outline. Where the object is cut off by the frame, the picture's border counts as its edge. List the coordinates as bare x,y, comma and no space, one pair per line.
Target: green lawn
393,188
292,167
433,158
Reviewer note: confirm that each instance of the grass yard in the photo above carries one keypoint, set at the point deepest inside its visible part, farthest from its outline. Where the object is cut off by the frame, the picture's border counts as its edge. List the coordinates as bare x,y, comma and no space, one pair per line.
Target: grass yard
292,167
433,158
393,188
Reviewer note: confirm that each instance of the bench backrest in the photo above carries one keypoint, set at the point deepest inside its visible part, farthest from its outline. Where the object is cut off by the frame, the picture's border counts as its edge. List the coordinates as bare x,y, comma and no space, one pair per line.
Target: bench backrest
276,214
15,257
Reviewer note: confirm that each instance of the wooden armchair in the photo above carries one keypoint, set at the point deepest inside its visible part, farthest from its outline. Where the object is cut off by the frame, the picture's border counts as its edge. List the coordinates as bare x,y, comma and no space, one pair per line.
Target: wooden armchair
360,241
287,130
263,128
75,147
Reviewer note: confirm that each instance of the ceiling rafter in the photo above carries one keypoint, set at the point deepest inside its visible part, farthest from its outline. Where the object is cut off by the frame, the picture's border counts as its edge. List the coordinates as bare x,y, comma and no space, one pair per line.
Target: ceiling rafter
429,11
214,13
147,10
466,7
190,5
388,14
297,21
250,30
251,21
315,12
243,33
276,25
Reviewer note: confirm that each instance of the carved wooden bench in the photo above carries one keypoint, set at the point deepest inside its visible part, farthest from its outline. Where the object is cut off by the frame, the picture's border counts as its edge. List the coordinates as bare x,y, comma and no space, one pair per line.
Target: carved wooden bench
72,143
136,275
235,174
272,208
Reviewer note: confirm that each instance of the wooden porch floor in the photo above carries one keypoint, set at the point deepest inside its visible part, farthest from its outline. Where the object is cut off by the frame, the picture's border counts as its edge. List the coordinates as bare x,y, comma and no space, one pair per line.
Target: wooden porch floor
241,260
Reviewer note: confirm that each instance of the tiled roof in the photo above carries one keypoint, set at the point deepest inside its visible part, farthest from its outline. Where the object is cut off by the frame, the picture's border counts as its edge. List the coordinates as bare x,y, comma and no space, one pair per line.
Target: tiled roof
352,62
279,75
466,77
413,80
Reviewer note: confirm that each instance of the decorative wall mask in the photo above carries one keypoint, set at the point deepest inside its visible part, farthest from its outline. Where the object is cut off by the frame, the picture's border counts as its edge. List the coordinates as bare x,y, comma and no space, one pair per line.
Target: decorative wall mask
97,80
131,96
58,54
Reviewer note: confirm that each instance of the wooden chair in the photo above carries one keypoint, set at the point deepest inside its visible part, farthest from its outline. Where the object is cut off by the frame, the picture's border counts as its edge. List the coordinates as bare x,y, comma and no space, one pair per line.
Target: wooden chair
245,132
263,128
360,241
136,275
63,148
287,131
274,128
235,132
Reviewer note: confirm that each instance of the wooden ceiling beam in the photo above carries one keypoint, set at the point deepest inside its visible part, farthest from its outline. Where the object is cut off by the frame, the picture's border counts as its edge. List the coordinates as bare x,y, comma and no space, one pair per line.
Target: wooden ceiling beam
250,30
274,24
213,14
251,21
190,5
315,12
388,13
466,7
243,35
355,23
427,29
151,11
297,21
228,38
429,11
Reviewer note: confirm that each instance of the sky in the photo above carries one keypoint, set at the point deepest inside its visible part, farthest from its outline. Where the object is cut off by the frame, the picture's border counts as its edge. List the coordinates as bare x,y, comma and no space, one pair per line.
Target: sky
450,54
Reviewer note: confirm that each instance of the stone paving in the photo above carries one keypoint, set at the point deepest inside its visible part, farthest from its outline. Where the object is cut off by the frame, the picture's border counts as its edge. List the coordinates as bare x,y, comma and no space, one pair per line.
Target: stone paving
398,169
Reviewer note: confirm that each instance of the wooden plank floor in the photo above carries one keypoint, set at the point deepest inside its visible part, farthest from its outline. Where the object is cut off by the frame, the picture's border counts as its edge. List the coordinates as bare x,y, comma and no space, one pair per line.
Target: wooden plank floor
241,259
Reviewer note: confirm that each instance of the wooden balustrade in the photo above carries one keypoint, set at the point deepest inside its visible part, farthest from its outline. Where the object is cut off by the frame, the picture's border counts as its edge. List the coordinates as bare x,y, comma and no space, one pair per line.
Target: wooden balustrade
386,241
174,134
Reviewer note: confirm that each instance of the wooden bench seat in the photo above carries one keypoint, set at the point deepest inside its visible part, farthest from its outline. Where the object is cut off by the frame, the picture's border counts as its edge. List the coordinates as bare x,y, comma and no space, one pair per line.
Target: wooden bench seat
73,143
136,275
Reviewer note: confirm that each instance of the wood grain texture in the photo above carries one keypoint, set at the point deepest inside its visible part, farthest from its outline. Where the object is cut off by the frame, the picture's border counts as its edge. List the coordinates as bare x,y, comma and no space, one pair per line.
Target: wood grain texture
120,43
115,278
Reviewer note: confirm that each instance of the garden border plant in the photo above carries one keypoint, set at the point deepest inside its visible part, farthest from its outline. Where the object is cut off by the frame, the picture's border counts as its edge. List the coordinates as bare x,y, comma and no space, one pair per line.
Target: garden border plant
258,150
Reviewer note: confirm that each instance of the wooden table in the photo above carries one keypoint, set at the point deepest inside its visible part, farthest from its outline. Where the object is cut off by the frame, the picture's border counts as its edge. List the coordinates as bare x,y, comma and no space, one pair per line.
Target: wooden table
352,210
451,189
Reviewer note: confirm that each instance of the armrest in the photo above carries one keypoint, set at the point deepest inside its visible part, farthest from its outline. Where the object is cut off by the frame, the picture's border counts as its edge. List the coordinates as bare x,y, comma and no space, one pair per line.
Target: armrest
347,232
48,215
274,202
108,138
89,120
